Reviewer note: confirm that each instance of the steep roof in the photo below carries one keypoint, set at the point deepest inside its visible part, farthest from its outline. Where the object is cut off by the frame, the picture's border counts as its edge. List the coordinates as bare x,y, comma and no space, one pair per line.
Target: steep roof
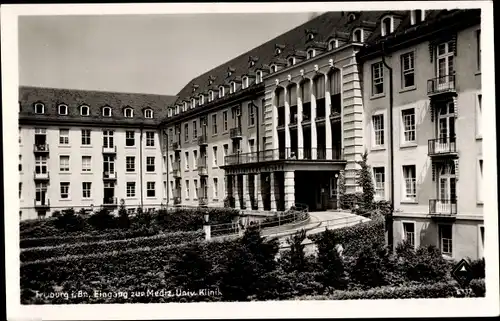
73,98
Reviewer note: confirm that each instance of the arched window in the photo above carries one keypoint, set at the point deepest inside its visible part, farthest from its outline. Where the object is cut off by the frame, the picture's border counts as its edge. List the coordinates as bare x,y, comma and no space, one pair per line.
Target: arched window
63,109
244,82
274,68
357,35
277,51
387,26
232,88
84,110
210,96
148,113
258,78
310,53
332,44
106,111
221,91
351,17
200,99
310,36
319,87
291,61
193,103
185,106
417,16
39,108
128,112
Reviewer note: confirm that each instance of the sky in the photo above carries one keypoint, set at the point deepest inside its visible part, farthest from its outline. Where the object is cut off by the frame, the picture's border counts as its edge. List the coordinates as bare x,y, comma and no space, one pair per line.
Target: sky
155,54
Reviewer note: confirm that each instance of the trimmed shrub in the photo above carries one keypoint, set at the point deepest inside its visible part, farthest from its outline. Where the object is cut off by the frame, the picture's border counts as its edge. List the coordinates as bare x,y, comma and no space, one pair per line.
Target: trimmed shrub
189,268
350,200
69,221
123,217
478,288
102,220
365,180
370,266
333,273
297,255
426,264
478,268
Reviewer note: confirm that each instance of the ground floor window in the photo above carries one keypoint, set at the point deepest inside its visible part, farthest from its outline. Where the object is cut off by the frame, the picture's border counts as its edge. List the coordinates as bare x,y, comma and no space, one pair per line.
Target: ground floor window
409,232
445,239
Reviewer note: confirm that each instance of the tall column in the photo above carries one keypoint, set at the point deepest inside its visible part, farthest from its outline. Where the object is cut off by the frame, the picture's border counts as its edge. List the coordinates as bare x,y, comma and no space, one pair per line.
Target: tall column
273,197
314,139
258,187
300,137
246,196
287,123
328,124
289,189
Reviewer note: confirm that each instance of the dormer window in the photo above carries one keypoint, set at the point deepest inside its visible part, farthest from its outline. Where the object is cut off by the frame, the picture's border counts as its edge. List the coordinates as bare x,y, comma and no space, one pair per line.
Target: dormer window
106,111
148,113
291,61
185,106
84,110
128,112
332,44
310,53
63,109
277,51
232,87
193,103
274,68
387,26
221,91
177,108
169,113
200,100
244,82
258,78
310,36
351,17
357,35
252,63
210,95
417,16
39,108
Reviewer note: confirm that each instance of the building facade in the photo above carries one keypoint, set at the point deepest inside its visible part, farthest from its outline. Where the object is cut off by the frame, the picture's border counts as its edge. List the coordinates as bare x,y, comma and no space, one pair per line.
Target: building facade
436,127
86,149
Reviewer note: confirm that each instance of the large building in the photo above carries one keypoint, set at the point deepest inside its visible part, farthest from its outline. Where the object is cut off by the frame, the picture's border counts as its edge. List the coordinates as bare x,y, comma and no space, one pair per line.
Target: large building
279,124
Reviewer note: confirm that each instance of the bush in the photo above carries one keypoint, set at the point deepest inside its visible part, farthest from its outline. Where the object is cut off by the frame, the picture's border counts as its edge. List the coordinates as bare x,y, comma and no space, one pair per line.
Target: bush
350,200
478,268
370,266
330,261
42,253
365,180
296,253
69,221
123,217
426,264
189,268
102,220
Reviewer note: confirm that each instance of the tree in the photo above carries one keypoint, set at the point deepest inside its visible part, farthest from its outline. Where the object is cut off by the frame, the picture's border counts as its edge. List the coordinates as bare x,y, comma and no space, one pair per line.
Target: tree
330,261
123,217
371,265
190,269
297,256
364,179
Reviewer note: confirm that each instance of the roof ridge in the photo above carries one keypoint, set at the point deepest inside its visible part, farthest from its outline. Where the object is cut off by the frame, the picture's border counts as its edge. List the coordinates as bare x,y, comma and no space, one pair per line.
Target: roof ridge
93,90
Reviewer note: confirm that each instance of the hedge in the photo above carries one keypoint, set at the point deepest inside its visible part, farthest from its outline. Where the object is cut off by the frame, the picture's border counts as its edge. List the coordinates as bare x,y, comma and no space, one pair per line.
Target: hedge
424,291
40,253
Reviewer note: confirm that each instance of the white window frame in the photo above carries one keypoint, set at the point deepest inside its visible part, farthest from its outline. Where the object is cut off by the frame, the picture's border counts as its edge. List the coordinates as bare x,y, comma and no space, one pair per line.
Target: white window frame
404,233
86,189
244,82
195,159
86,109
383,26
225,118
480,181
274,68
232,87
311,53
65,107
63,136
376,130
64,163
66,190
361,35
440,240
215,188
412,128
186,190
186,161
333,44
130,189
148,113
480,240
150,141
36,106
150,164
291,61
151,186
104,114
351,17
413,18
86,139
193,103
409,180
379,188
259,77
214,124
130,164
479,116
195,129
377,80
407,71
221,91
251,115
128,113
86,166
210,96
200,99
214,156
186,132
129,139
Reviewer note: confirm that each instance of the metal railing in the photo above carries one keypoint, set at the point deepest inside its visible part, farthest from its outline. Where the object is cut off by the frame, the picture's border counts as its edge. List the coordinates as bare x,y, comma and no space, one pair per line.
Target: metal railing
110,201
109,149
202,140
444,145
443,207
41,175
299,154
202,166
235,132
42,203
109,175
441,85
41,148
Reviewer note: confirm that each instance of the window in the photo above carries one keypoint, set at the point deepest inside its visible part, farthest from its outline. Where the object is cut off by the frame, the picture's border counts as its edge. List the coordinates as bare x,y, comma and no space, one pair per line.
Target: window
150,189
409,232
63,136
480,182
150,139
186,159
277,51
481,244
224,120
274,68
291,61
478,49
200,99
351,17
387,26
310,53
409,174
379,174
232,88
39,108
377,78
148,113
150,164
186,132
244,83
187,189
226,149
195,159
357,35
63,109
210,96
378,129
20,163
130,189
258,78
195,129
107,139
221,91
332,44
64,163
64,189
445,239
185,106
85,136
409,132
216,187
106,111
479,116
20,190
193,103
86,187
129,138
214,124
130,163
214,150
445,61
128,112
171,162
40,164
84,110
86,163
417,16
408,70
251,115
19,136
262,106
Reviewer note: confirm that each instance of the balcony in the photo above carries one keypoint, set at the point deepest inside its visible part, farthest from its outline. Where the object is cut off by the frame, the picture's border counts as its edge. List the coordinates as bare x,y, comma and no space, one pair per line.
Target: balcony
235,133
443,147
110,201
202,140
202,198
41,176
109,149
177,200
202,166
42,204
41,148
176,146
107,175
444,208
441,85
176,169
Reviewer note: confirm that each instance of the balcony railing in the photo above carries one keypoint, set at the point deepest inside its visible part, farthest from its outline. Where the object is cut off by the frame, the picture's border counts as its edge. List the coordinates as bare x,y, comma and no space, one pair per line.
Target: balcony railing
41,176
176,146
202,166
110,201
235,132
42,203
202,140
176,169
439,85
109,149
41,148
443,207
109,175
294,154
442,146
177,200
